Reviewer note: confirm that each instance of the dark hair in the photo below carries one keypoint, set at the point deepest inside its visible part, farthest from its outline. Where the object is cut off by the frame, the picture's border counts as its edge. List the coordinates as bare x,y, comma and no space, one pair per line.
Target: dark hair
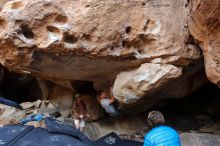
155,119
100,92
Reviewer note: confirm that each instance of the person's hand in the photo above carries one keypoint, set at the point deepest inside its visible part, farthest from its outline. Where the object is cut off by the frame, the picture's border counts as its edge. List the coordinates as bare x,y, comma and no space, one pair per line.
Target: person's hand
81,116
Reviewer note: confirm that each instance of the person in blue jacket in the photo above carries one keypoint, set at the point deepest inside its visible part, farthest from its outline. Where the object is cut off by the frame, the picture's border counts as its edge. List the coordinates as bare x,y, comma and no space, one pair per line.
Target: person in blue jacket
160,134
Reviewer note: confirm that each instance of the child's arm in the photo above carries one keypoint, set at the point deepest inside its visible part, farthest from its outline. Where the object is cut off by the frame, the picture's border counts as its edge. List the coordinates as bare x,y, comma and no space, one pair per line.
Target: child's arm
112,99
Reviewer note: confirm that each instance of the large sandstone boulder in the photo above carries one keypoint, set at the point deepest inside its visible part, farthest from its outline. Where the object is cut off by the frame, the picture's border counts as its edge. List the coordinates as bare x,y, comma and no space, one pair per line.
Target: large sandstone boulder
204,25
191,79
68,41
130,86
92,40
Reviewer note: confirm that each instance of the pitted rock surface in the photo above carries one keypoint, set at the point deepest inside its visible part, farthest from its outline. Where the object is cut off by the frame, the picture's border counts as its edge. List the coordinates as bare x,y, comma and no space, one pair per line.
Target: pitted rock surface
92,40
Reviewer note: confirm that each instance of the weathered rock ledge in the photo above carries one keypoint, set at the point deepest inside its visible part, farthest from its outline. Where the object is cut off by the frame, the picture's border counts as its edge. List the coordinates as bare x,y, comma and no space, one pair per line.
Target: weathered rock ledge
145,45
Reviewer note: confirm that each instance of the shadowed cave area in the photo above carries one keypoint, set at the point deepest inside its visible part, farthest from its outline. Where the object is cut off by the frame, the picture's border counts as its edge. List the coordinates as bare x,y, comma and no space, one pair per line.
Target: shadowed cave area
198,112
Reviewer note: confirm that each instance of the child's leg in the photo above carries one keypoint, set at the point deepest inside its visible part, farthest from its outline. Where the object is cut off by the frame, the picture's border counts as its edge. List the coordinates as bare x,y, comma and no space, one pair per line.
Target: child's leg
82,125
76,121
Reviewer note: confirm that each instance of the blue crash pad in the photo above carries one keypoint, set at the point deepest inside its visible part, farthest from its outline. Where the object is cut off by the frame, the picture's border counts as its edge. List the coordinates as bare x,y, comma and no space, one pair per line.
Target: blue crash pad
133,143
9,134
41,137
60,135
56,134
112,139
9,102
55,126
